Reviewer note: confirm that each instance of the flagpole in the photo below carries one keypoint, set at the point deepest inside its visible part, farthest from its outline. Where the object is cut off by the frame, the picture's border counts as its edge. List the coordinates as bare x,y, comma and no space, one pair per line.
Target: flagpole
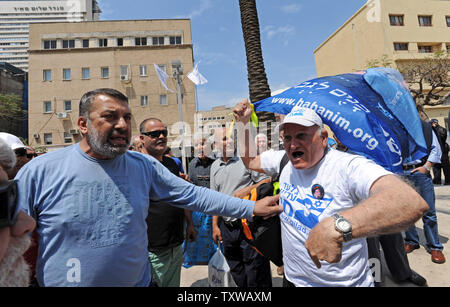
176,65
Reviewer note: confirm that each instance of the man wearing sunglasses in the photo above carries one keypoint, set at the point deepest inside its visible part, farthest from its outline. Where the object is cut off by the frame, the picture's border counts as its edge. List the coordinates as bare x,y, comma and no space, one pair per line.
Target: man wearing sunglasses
15,226
165,223
91,200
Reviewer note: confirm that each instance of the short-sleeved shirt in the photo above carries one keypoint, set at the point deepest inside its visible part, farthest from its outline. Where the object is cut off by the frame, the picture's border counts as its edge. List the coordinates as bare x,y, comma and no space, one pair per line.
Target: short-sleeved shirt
91,214
231,176
165,223
344,180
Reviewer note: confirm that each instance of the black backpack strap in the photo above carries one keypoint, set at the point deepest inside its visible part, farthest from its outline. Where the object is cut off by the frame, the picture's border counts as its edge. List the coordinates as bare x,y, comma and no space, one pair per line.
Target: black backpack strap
283,163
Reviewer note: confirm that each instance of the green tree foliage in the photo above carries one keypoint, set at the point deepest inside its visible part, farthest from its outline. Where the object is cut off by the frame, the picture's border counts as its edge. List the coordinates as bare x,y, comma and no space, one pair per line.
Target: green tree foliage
11,112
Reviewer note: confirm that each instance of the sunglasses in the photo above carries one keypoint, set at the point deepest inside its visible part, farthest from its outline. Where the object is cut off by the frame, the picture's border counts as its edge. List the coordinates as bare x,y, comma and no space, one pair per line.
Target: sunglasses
8,204
156,133
22,152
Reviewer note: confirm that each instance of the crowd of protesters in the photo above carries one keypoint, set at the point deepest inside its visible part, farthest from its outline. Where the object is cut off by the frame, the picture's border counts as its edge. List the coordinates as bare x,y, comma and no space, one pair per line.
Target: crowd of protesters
114,210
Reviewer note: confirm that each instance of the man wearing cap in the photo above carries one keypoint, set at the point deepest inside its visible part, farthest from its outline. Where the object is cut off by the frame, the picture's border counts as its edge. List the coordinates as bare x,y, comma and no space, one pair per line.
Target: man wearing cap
15,226
22,152
323,235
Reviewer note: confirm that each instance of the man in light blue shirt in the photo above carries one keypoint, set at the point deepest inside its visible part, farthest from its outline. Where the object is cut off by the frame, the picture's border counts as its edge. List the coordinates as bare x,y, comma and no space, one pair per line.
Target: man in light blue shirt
90,201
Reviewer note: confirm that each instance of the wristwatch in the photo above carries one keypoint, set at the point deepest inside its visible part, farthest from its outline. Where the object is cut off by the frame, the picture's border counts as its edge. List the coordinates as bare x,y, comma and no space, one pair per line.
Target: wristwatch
344,226
427,168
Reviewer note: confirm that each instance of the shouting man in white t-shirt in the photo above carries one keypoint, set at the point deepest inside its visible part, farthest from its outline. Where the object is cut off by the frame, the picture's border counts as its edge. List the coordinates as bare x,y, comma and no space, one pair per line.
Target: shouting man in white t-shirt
332,201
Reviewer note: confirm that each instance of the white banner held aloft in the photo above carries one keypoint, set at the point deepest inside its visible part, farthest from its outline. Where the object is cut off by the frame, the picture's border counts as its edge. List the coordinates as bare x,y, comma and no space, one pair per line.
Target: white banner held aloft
162,77
196,77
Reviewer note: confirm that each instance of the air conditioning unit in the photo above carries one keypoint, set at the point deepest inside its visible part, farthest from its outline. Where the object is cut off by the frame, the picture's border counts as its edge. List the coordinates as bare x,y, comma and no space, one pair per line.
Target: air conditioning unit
74,131
61,115
36,135
124,78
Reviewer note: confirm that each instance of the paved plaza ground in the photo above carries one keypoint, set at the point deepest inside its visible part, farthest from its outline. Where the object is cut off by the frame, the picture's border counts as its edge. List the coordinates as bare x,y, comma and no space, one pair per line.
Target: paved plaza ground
437,275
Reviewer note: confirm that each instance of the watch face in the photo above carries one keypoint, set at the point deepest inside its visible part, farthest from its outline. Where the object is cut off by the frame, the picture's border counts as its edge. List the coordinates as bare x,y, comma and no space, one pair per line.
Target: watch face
343,225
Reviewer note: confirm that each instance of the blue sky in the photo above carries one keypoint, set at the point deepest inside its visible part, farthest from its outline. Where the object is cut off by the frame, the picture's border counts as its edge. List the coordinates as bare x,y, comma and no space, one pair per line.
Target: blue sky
290,31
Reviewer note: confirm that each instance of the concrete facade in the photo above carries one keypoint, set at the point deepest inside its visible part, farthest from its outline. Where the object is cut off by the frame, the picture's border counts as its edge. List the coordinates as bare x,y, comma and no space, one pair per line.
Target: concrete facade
114,54
16,16
382,27
368,35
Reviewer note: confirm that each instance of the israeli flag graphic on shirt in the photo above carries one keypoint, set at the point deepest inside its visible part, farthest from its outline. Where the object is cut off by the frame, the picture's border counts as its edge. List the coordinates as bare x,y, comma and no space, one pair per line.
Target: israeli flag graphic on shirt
305,210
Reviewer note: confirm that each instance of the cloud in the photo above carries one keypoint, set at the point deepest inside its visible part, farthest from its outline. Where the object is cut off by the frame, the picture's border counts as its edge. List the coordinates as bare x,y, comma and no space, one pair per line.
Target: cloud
291,8
204,6
281,32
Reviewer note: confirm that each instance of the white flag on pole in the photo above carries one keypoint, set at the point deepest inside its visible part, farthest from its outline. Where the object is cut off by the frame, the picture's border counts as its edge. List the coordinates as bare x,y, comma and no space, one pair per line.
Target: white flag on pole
162,77
196,77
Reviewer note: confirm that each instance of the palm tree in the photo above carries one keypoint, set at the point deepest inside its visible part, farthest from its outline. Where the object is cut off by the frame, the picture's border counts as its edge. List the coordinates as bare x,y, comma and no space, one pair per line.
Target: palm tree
258,85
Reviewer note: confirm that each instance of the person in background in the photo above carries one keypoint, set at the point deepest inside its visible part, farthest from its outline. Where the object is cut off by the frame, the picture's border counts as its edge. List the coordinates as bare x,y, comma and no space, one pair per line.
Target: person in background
201,250
444,165
165,223
261,143
136,144
230,176
15,226
23,153
418,172
168,153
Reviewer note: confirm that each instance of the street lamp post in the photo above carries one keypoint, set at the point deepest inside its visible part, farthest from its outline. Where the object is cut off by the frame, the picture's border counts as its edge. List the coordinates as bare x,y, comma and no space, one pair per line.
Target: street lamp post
177,72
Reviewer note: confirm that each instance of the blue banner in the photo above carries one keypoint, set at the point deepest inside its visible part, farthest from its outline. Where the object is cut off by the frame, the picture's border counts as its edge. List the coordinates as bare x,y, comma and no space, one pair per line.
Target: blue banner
386,131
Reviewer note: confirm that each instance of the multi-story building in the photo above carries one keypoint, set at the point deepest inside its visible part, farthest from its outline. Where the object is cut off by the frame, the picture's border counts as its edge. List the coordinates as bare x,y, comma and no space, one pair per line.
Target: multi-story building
107,54
16,16
406,31
218,117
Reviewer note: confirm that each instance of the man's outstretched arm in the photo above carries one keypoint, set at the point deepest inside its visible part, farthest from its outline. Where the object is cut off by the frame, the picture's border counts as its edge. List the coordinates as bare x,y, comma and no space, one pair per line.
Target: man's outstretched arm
393,206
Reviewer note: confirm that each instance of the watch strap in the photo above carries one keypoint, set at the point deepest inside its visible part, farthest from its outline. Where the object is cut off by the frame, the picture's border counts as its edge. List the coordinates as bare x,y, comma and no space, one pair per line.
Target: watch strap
347,236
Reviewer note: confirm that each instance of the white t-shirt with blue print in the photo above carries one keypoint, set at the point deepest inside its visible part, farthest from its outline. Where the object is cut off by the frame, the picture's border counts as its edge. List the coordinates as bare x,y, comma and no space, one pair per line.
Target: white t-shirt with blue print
91,214
345,181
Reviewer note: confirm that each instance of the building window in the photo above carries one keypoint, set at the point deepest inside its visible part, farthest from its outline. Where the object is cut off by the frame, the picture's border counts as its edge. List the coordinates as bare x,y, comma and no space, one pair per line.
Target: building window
175,40
140,41
67,105
120,42
103,42
425,21
144,101
66,74
47,75
425,49
85,73
85,43
105,72
447,18
143,70
400,46
124,73
68,43
50,44
158,40
67,137
48,139
163,100
396,20
47,107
